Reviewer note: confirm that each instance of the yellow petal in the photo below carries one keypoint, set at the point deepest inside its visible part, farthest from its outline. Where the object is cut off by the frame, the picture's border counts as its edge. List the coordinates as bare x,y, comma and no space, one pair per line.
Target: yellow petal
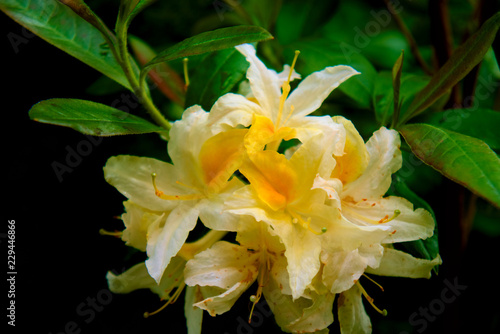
262,132
273,178
352,164
221,156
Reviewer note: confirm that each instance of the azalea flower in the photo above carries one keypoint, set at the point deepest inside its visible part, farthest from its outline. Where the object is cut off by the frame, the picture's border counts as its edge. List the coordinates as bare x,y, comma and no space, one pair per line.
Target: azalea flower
271,97
226,270
356,186
195,185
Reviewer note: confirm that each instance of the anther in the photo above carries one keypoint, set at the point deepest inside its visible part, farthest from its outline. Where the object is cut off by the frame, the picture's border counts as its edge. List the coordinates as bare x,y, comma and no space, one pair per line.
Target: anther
387,219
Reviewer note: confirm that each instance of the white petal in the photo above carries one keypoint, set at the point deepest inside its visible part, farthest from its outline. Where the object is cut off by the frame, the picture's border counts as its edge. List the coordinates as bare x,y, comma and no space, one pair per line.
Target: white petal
407,226
227,266
187,136
194,315
315,88
265,83
342,269
385,159
166,241
283,75
231,110
137,277
222,265
351,312
333,134
401,264
132,177
302,253
332,187
316,317
137,221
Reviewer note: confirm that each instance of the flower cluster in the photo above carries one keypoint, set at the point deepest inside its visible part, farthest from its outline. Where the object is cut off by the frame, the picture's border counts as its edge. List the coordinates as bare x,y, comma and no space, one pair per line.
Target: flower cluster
304,195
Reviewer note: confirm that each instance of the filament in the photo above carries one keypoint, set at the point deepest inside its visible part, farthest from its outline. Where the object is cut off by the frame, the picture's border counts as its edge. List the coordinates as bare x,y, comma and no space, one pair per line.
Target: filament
370,300
117,234
186,74
286,89
162,195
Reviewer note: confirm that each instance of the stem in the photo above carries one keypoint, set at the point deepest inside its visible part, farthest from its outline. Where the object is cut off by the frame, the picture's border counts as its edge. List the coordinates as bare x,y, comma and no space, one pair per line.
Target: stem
124,60
190,249
409,37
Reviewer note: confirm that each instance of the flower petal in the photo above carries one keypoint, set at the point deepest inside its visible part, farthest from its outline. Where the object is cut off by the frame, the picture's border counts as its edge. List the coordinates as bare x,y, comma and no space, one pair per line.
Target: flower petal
342,269
400,264
137,222
302,254
131,176
385,159
315,88
231,110
407,226
194,315
265,83
227,266
352,315
354,159
164,242
137,277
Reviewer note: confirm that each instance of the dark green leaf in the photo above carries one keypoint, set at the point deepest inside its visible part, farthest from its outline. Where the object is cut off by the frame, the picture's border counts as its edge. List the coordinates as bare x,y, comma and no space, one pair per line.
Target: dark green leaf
60,26
90,118
463,159
461,62
426,249
129,9
215,76
316,54
209,41
479,123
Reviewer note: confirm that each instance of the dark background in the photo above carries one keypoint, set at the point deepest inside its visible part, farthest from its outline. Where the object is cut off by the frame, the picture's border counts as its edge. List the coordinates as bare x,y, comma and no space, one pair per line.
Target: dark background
62,261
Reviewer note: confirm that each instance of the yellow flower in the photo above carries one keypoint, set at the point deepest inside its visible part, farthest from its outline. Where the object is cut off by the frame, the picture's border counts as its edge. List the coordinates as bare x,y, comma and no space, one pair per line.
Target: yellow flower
195,185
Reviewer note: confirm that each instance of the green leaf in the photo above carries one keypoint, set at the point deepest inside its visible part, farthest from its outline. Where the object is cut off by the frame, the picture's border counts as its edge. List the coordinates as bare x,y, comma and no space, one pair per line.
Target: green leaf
461,62
428,248
478,123
215,76
316,54
90,118
129,10
63,28
463,159
207,42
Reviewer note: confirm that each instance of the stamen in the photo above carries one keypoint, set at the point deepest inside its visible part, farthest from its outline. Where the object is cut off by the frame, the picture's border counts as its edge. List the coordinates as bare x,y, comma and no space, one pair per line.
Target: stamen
286,89
170,300
296,218
117,234
370,300
381,221
387,219
186,75
373,281
162,195
255,298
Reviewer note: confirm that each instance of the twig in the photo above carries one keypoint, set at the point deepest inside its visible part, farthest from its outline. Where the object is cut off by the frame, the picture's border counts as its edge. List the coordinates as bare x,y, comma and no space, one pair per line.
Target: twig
409,37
